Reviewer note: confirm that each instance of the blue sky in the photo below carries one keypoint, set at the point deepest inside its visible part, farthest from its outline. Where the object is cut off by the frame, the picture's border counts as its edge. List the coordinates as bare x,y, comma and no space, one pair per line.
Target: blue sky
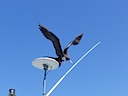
104,72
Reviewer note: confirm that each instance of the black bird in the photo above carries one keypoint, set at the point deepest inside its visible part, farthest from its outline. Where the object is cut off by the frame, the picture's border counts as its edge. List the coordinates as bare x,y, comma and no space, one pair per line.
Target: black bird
62,55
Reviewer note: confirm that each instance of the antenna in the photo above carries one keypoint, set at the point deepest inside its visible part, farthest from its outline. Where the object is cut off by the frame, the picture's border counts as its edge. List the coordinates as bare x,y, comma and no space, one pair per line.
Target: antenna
46,63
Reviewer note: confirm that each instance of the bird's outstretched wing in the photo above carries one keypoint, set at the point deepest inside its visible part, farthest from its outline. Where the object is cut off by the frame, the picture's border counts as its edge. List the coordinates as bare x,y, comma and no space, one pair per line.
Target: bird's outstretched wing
55,40
74,42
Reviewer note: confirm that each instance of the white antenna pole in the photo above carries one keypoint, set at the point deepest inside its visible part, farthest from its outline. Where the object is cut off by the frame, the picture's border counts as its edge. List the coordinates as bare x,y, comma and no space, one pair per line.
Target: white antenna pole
71,69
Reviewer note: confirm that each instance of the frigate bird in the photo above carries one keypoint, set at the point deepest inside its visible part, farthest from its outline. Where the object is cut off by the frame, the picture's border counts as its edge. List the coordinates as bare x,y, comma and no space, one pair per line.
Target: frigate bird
62,55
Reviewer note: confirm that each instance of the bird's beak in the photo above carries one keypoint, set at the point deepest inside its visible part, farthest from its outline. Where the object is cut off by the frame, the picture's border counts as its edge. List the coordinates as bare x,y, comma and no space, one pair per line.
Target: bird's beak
70,61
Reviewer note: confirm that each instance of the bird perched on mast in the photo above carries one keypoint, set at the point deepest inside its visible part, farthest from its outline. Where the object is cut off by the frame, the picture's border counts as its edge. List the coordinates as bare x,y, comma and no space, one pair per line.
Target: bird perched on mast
62,55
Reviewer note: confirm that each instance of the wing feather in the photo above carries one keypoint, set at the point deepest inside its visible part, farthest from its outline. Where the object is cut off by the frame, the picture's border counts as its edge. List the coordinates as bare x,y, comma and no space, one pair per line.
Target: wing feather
74,42
55,40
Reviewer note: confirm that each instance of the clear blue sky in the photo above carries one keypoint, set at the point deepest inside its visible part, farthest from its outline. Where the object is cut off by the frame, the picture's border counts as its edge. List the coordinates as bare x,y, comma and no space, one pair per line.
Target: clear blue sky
104,72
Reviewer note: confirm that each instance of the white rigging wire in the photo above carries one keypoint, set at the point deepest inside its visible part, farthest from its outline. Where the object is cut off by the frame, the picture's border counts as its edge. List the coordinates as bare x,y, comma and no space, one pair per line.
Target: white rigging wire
71,69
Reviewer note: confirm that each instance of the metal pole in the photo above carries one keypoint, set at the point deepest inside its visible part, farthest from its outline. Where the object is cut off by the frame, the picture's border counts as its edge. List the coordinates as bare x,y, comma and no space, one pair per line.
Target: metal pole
71,69
44,81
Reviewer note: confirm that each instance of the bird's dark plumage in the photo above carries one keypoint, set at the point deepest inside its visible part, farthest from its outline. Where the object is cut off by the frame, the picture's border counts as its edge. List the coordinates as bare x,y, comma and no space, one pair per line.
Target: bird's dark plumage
74,42
62,55
55,40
